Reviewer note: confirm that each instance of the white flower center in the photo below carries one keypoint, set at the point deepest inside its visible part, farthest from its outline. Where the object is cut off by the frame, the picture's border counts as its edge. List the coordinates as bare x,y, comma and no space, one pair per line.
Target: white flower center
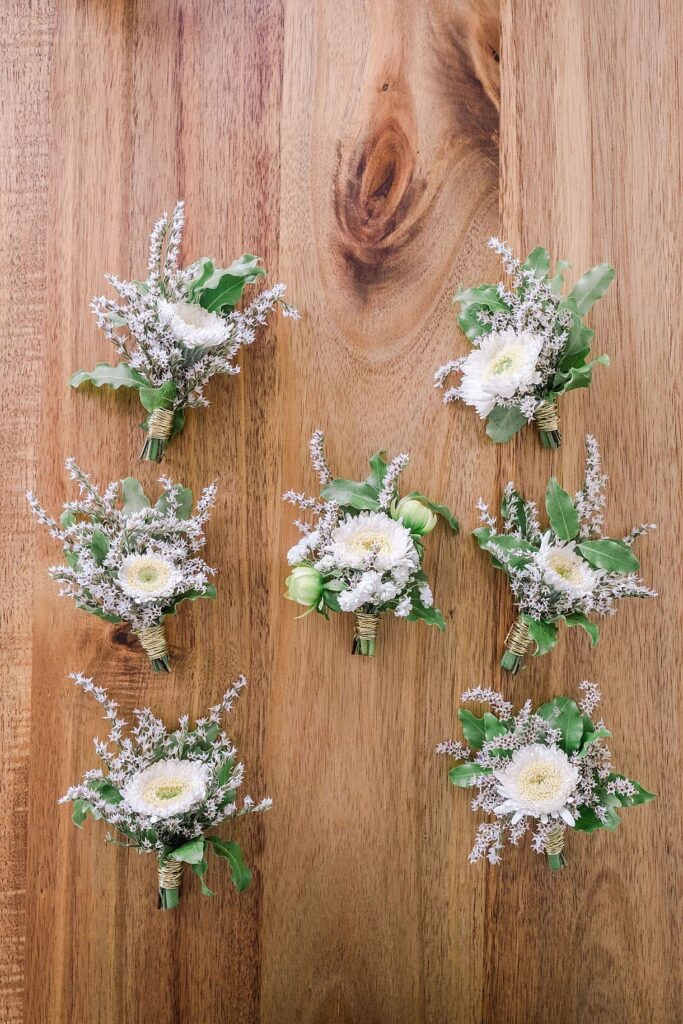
368,541
191,314
157,793
567,568
506,360
540,781
147,574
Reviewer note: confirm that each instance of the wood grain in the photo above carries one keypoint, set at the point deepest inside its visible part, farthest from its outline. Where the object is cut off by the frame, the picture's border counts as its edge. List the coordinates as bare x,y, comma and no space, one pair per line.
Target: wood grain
355,146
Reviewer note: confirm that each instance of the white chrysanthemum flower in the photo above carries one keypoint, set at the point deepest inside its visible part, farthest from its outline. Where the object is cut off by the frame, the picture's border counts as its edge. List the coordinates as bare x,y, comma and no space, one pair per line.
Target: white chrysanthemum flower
149,577
539,783
166,789
502,366
564,569
372,533
192,325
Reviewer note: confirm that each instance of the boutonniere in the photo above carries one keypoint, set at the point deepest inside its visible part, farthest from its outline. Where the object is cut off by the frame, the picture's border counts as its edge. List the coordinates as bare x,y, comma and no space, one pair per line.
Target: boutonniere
565,572
128,561
363,552
163,791
530,344
176,329
548,770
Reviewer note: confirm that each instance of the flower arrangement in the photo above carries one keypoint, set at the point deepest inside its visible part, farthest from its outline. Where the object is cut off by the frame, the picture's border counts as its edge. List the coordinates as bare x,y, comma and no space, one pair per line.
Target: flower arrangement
566,572
546,769
176,329
128,561
530,344
364,552
162,791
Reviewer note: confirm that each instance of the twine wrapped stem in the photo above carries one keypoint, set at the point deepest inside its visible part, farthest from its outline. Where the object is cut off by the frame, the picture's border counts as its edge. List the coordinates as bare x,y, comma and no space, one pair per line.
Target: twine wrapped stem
365,634
159,430
548,422
170,876
554,845
153,642
517,643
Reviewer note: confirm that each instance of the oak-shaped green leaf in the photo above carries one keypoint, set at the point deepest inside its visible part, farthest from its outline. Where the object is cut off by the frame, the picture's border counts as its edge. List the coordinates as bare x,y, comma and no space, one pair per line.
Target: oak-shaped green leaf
120,376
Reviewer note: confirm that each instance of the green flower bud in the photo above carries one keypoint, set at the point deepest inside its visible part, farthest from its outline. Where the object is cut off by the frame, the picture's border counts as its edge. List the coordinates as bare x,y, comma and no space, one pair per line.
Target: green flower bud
305,586
414,515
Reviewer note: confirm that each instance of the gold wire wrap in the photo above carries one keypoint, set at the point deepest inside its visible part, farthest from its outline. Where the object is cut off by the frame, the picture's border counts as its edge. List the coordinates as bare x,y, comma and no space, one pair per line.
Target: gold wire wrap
170,874
554,840
518,641
547,417
366,626
160,424
153,640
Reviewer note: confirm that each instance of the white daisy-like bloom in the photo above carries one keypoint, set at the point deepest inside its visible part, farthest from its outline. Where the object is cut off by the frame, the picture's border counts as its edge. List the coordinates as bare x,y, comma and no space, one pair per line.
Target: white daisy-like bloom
166,789
502,366
192,325
539,783
149,577
303,548
372,533
564,569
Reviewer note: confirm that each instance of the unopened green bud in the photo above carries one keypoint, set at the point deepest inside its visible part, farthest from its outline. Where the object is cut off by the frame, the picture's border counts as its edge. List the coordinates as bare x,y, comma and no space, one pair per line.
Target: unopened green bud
414,515
305,585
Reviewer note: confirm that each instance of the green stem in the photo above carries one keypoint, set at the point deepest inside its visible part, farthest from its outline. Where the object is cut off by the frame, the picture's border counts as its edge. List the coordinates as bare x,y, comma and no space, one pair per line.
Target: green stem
511,662
551,438
161,664
168,898
153,449
556,861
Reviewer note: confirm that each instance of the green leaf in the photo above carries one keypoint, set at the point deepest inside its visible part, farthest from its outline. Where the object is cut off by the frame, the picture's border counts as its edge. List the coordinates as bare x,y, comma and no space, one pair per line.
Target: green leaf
66,520
502,423
191,595
611,555
379,466
592,286
538,260
94,609
513,509
587,820
577,376
241,875
641,796
473,728
223,290
463,774
162,397
519,551
189,853
200,870
579,619
99,545
183,497
564,519
473,301
105,789
483,535
543,633
493,727
351,494
557,283
134,498
578,343
205,269
80,812
593,737
563,714
432,616
224,772
440,510
120,376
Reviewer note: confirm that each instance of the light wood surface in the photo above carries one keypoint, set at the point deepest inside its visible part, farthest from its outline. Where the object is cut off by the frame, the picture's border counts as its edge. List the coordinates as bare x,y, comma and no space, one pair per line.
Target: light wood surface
357,148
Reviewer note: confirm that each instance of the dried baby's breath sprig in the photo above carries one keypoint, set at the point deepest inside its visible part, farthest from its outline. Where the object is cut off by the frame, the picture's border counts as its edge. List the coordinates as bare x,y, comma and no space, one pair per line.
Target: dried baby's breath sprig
131,562
364,551
530,344
176,329
565,573
545,769
163,791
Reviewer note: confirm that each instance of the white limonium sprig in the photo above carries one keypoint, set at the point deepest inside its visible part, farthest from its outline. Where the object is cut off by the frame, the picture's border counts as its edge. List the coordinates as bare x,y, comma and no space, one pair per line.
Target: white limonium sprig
164,790
546,769
177,329
566,572
128,561
363,552
529,344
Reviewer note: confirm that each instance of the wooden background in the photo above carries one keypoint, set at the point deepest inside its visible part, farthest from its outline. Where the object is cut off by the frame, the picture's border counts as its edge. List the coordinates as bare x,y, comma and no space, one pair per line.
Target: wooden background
366,151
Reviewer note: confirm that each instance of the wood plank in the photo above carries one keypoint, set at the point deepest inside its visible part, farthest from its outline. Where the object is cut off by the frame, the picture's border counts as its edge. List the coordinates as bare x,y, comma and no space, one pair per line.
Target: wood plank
591,167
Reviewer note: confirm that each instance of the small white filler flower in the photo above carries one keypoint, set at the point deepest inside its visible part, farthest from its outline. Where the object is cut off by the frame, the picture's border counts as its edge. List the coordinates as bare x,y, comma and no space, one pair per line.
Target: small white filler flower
149,577
192,325
539,783
503,366
564,569
372,533
166,789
